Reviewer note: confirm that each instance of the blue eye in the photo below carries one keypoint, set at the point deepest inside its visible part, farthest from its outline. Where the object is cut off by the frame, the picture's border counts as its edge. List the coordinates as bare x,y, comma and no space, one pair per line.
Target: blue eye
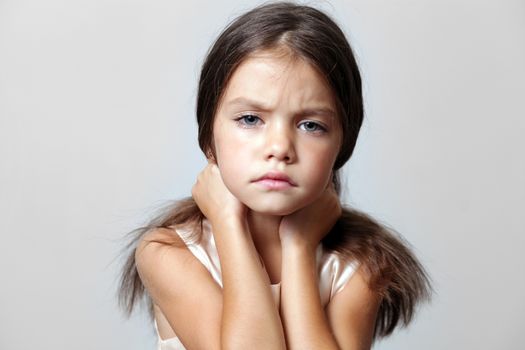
248,120
312,126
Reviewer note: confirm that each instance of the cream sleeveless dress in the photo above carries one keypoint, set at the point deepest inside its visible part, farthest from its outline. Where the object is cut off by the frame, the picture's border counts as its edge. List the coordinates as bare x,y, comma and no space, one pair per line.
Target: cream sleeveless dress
333,273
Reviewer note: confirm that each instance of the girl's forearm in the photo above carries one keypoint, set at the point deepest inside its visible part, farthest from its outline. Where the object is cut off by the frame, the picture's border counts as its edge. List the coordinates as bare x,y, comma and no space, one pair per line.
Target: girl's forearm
304,320
250,318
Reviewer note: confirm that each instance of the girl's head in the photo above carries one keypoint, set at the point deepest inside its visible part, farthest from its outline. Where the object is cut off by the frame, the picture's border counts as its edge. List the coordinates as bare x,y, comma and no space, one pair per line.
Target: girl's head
291,35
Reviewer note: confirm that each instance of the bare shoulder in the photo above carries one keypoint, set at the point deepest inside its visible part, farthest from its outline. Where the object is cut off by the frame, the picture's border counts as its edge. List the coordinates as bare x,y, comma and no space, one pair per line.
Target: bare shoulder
159,252
157,239
353,311
181,287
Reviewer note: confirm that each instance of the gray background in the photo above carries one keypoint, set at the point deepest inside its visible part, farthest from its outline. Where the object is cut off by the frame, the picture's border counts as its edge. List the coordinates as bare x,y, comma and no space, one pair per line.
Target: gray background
97,129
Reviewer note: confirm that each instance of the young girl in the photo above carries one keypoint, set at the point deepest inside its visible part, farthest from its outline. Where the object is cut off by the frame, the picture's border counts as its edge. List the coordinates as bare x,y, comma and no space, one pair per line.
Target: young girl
263,255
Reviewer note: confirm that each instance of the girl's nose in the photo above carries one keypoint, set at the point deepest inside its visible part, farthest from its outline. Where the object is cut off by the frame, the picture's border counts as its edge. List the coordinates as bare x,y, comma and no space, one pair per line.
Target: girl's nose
280,144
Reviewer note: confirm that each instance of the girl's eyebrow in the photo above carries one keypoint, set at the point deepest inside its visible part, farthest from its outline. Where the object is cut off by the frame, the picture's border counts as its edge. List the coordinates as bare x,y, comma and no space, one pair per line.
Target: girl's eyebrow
252,104
246,102
318,111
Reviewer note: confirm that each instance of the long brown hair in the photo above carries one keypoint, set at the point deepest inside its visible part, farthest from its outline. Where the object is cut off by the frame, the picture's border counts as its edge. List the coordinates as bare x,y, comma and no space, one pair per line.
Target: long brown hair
309,34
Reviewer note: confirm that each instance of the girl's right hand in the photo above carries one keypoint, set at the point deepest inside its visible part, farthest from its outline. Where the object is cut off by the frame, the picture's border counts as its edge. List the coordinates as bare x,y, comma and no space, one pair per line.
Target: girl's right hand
214,199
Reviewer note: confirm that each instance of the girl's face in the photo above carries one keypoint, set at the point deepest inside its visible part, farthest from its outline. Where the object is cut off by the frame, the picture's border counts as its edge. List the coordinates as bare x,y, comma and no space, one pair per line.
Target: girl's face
277,115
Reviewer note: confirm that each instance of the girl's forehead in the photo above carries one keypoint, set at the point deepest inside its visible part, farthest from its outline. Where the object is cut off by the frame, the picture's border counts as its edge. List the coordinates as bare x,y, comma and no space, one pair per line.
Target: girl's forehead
278,60
273,75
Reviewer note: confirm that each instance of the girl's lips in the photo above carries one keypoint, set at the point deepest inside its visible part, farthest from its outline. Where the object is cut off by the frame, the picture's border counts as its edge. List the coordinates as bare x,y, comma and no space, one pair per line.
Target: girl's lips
276,176
275,180
274,184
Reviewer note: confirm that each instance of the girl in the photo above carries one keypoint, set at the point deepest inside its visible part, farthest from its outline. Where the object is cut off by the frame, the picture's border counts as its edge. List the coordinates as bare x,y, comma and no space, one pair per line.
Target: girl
263,255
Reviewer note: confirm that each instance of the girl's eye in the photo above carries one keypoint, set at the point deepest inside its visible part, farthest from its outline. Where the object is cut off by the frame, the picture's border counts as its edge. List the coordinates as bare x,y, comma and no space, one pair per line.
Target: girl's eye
312,127
248,120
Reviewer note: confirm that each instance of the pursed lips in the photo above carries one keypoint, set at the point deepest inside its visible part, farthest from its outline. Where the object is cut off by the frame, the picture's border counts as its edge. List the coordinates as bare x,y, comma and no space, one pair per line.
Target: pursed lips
276,177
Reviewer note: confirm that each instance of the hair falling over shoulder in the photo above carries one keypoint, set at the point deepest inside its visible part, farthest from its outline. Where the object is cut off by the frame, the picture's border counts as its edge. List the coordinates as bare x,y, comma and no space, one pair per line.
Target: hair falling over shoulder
392,269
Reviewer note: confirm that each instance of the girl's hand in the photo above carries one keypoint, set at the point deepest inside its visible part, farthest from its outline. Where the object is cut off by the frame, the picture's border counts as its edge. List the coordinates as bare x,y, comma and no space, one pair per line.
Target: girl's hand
310,224
214,199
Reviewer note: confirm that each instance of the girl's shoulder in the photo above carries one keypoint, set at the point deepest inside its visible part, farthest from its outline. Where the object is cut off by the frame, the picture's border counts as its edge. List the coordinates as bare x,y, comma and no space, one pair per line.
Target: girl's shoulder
156,247
174,235
334,271
161,246
159,236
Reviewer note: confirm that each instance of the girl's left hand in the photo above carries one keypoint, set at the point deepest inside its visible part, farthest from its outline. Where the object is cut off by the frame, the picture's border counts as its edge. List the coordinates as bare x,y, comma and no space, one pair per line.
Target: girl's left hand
310,224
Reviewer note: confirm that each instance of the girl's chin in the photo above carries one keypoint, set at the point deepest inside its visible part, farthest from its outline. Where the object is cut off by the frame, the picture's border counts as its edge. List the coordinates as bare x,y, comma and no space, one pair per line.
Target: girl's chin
273,210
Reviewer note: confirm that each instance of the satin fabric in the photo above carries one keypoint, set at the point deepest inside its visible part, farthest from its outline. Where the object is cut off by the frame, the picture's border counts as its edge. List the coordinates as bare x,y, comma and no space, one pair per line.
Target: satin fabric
333,273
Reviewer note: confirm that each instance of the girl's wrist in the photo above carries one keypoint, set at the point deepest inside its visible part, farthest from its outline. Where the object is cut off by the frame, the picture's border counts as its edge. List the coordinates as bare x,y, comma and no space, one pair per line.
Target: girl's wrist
297,244
231,225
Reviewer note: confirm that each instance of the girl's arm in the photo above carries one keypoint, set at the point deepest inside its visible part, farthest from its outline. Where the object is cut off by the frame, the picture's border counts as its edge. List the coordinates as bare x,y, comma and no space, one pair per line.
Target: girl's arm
243,314
305,324
350,316
250,318
180,285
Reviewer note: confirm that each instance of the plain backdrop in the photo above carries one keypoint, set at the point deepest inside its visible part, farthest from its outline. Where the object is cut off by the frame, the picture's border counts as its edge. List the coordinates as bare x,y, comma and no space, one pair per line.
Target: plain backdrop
97,129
